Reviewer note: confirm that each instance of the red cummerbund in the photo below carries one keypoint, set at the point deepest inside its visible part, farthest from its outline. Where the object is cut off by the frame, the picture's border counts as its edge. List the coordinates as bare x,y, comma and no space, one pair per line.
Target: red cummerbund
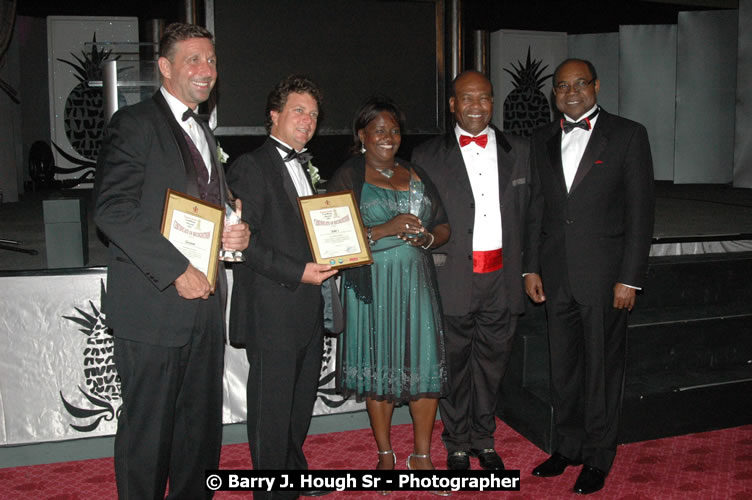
487,261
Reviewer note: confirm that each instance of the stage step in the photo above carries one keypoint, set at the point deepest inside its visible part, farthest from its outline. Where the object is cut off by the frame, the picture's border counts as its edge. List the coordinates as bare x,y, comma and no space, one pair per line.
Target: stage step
689,355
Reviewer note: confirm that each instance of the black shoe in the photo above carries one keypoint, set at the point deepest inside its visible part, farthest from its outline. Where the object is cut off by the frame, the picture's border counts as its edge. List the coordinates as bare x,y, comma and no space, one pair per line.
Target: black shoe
553,466
489,459
315,493
589,481
458,460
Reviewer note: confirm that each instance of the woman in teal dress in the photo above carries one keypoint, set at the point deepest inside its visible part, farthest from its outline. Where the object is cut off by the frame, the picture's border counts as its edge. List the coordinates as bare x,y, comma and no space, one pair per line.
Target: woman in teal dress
392,349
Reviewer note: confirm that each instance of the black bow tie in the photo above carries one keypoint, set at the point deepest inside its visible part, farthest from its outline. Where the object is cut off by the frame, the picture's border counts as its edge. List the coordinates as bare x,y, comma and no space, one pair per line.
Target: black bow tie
567,126
584,124
290,154
189,113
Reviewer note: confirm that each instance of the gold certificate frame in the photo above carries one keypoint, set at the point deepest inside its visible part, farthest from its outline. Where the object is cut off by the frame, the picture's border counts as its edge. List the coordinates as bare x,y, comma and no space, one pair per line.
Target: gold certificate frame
195,228
335,230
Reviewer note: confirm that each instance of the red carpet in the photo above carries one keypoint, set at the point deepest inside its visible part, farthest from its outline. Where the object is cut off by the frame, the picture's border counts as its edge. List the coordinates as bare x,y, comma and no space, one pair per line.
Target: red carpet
710,465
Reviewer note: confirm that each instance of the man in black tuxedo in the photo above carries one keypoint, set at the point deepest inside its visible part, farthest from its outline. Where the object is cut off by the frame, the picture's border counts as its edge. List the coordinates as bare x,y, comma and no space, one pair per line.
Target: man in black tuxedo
591,223
482,178
277,307
168,328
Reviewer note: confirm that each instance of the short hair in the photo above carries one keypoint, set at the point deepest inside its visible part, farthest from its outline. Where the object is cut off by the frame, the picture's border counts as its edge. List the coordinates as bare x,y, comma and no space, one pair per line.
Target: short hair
368,112
453,87
593,73
177,32
277,98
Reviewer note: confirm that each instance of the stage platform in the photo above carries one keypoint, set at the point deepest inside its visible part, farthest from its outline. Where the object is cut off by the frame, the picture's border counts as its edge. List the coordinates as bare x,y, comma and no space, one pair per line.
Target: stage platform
689,361
684,213
689,354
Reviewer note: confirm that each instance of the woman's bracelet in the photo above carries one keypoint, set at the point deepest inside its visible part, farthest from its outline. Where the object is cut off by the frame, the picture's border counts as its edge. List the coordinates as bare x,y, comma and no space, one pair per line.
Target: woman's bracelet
370,236
426,247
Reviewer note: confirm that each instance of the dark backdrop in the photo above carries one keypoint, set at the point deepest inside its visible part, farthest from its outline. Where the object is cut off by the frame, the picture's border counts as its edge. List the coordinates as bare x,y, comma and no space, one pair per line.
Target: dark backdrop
351,48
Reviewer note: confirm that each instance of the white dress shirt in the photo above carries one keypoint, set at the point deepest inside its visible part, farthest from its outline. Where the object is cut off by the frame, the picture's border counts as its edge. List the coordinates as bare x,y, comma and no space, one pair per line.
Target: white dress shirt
573,144
193,129
295,169
482,170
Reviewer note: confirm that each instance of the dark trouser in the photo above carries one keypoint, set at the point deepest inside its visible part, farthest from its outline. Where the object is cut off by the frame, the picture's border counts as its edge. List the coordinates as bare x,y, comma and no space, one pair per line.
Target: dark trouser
281,393
477,349
588,355
171,418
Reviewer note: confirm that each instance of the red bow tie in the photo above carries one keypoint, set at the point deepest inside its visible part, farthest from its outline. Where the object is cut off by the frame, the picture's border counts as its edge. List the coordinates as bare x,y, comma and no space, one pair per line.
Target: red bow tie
480,140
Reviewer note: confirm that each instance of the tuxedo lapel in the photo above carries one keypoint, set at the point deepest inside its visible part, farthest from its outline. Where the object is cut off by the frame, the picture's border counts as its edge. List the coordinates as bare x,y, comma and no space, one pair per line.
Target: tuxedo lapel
504,162
597,143
191,180
505,166
308,176
280,169
553,146
455,163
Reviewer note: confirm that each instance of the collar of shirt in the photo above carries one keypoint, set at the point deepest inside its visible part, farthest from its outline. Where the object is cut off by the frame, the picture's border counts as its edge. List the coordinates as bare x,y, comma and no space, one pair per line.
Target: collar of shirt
282,153
176,106
193,129
295,169
585,114
458,131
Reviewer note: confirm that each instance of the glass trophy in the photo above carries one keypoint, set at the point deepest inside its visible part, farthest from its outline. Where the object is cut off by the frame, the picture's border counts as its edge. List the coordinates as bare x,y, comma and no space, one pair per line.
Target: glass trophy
232,216
414,202
416,196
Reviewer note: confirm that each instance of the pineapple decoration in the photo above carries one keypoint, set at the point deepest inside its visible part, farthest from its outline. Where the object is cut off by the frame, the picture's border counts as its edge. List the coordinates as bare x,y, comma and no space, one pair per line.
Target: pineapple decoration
102,383
526,107
326,391
84,108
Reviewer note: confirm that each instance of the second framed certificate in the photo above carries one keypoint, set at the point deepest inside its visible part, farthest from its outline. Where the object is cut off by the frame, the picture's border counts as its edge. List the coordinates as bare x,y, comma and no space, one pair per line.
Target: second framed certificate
335,231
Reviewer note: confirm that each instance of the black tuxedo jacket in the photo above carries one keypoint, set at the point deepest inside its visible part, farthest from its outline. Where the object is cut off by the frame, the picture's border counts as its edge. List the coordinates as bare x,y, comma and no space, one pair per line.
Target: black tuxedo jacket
599,233
143,154
442,159
271,308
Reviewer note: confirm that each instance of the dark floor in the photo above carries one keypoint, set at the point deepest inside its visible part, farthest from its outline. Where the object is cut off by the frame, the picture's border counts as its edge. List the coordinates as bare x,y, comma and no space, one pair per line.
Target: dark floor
682,211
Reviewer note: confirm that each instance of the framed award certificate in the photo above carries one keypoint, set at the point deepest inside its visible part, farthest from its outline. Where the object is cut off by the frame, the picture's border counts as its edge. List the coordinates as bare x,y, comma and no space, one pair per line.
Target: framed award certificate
194,227
335,230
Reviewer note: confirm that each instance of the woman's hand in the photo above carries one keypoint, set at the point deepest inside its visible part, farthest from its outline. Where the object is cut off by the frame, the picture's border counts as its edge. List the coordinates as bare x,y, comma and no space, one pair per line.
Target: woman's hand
423,239
400,226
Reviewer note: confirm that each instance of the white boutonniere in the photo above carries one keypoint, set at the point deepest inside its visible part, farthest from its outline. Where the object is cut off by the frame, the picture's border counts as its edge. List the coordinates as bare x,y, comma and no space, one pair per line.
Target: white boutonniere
221,155
314,173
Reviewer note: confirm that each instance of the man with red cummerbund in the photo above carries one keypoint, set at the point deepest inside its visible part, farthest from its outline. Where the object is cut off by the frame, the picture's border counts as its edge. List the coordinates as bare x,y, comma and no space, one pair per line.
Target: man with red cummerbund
482,177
